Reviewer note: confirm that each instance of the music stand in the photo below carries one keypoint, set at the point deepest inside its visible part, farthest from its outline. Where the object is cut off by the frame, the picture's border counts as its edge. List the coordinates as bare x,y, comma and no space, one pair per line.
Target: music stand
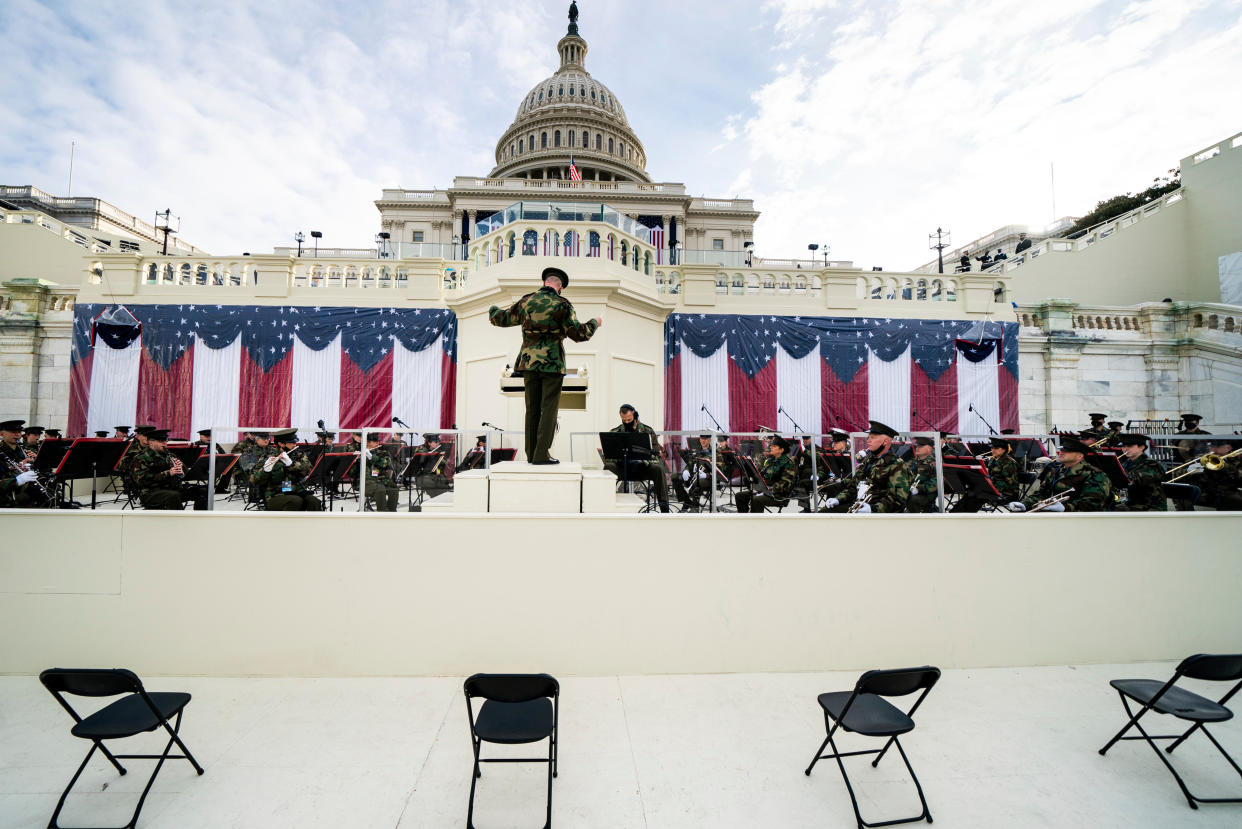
473,460
86,457
420,464
328,470
224,465
752,476
969,482
839,465
501,455
1110,464
622,448
188,454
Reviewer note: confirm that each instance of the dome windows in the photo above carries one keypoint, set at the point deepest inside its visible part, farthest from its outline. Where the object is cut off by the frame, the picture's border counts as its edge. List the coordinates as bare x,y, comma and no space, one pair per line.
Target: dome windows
599,139
571,91
586,140
592,94
541,94
562,90
556,139
543,141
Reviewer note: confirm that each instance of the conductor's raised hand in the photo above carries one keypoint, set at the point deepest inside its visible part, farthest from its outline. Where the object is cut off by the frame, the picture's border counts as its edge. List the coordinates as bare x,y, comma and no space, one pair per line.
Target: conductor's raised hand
599,321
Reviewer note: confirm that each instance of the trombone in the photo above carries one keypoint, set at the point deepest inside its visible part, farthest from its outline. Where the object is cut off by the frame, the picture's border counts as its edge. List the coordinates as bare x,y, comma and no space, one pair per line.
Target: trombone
1210,462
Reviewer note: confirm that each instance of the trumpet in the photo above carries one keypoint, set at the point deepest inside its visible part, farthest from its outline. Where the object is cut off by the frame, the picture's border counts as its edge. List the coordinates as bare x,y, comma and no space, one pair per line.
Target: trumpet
766,429
1047,502
1210,462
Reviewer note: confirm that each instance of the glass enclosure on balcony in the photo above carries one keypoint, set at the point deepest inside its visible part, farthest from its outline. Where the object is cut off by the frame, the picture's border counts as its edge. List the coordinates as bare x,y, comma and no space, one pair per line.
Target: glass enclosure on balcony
542,211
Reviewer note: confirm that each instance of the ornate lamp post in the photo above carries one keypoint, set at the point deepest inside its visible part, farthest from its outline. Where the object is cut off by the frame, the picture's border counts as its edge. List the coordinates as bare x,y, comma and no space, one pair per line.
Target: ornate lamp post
941,242
299,237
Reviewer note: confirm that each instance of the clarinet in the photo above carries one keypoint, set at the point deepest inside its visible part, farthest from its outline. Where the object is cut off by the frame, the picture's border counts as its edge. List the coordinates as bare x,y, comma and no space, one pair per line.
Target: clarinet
18,468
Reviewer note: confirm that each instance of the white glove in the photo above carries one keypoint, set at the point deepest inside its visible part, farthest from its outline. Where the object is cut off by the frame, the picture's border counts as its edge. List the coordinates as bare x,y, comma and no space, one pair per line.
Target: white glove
914,489
863,488
832,502
685,475
366,453
27,476
269,464
285,459
863,508
703,476
1054,508
1016,506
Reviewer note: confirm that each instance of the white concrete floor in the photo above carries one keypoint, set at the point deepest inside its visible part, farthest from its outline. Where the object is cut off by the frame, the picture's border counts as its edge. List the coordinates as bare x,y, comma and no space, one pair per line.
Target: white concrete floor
993,748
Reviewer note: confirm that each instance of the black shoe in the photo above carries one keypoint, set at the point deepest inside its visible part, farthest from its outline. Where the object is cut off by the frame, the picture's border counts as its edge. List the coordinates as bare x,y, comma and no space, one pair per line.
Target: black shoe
548,462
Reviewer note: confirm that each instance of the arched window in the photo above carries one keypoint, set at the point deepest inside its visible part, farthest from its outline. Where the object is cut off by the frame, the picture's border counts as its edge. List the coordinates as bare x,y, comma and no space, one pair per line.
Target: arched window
521,145
556,138
586,140
543,140
571,91
625,249
647,263
610,146
530,243
571,243
621,149
541,94
592,94
570,136
561,90
599,139
594,246
512,148
512,244
531,143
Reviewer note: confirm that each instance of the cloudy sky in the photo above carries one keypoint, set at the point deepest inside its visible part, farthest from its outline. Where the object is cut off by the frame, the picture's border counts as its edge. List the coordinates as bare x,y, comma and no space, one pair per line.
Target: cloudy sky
863,124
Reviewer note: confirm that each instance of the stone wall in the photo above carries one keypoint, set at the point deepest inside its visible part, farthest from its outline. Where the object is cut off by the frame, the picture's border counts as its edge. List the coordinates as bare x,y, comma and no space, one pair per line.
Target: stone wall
36,323
1151,361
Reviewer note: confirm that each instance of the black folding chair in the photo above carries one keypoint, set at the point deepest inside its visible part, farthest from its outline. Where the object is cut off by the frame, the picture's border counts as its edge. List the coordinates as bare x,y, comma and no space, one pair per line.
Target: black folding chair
133,714
1167,698
517,708
865,711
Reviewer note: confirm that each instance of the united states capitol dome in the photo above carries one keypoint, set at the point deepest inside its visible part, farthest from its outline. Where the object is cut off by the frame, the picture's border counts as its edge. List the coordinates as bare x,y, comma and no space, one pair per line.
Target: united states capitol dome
570,115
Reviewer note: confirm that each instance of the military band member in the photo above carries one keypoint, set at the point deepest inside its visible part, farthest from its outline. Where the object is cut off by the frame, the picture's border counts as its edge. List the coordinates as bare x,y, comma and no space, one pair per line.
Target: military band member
17,479
881,478
778,472
279,478
1091,487
1002,468
547,318
696,478
135,447
204,440
158,477
1144,494
474,459
380,485
653,469
31,436
52,434
923,488
1220,489
432,478
952,447
101,434
1097,431
1188,450
121,432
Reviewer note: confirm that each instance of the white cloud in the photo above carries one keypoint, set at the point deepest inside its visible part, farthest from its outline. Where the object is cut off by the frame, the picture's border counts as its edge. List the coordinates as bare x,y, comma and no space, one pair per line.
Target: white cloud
863,124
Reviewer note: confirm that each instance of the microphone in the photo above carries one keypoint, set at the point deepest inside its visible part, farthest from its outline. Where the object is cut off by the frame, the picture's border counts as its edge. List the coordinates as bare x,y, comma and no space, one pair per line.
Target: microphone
492,426
400,421
321,426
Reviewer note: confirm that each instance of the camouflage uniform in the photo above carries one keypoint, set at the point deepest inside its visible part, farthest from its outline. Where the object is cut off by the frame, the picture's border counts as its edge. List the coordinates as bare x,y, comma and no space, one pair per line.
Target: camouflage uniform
547,318
282,489
437,482
889,480
125,464
780,474
380,485
12,495
1188,450
1004,474
652,470
1092,490
1222,489
157,487
1094,434
1144,493
923,488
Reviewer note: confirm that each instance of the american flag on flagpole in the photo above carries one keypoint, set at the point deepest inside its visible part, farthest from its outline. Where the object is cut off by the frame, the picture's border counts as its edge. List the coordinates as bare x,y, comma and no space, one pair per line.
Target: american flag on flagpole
574,175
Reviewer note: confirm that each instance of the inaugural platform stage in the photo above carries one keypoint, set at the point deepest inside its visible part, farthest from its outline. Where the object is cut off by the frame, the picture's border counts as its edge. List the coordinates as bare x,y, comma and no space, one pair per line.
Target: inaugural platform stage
247,594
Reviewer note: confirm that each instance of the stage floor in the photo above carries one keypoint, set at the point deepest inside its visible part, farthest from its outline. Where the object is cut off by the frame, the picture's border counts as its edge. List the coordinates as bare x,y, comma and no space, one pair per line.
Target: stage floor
1011,747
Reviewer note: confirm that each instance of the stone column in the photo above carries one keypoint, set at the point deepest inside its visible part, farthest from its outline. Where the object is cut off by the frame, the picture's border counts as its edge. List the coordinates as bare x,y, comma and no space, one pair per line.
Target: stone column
21,341
470,222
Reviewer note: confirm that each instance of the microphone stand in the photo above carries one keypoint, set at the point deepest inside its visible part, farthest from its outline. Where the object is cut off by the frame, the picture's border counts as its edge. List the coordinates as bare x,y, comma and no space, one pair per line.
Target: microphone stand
930,427
781,410
719,428
836,418
971,408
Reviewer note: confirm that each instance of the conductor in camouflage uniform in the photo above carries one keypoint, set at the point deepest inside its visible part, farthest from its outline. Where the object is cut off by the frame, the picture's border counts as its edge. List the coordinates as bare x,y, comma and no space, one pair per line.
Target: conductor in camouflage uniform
279,478
380,486
651,469
779,473
1144,494
158,475
547,318
882,477
1092,491
923,488
1003,469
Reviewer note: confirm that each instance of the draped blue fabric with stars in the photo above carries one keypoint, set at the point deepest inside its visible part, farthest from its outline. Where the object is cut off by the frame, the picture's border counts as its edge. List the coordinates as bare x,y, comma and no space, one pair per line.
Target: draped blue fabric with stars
268,331
842,342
